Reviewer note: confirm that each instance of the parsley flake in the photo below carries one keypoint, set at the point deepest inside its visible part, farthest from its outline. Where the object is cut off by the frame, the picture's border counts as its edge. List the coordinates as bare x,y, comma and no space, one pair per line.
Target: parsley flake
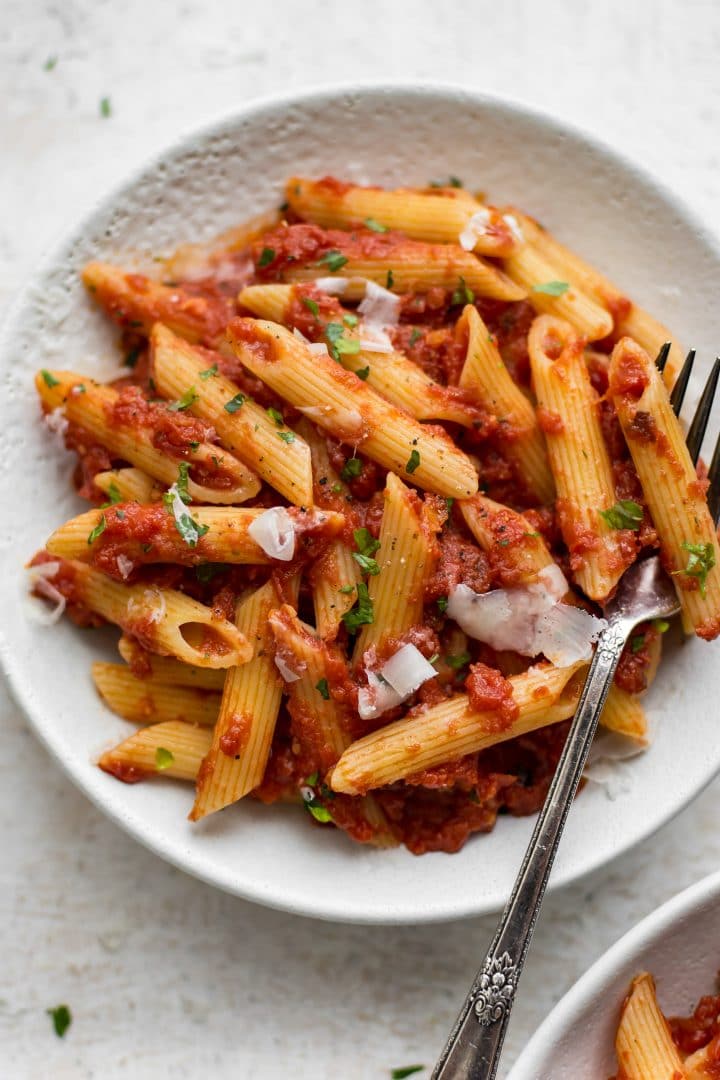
334,260
183,403
374,225
407,1070
276,416
637,643
390,280
105,107
323,689
181,484
61,1018
49,379
463,294
625,514
413,462
98,530
185,524
552,288
163,758
113,494
339,344
415,336
452,181
366,545
701,560
235,403
458,661
346,589
208,373
286,436
442,603
206,571
311,305
661,625
350,320
266,257
50,63
361,613
362,373
131,357
351,469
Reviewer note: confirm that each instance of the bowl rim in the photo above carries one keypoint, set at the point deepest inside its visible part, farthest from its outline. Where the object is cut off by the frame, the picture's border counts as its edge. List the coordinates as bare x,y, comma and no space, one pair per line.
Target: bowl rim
103,202
634,941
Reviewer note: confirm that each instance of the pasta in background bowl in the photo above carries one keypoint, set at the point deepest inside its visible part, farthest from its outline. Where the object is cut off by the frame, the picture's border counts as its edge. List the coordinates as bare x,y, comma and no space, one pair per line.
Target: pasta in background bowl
673,954
265,856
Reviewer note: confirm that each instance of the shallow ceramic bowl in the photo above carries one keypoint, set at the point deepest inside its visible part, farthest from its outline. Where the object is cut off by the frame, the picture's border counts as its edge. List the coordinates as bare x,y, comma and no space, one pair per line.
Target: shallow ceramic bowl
678,944
605,206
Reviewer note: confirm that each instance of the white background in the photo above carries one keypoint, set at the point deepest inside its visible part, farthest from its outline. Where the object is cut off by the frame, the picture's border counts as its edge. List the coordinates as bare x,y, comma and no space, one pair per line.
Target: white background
165,977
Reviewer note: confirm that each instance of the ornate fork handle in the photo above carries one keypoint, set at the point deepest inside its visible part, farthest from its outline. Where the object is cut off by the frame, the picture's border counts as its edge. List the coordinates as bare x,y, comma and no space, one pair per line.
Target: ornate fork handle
473,1049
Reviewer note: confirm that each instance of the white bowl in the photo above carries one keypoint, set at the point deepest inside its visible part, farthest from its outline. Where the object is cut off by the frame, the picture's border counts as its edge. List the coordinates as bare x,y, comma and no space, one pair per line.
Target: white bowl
602,204
678,944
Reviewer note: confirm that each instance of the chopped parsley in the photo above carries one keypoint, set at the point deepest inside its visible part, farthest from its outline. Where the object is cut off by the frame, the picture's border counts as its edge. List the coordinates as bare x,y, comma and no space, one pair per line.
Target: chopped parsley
206,571
661,625
266,257
163,758
362,373
637,643
323,689
390,280
235,403
346,589
61,1018
413,462
463,294
415,336
98,530
449,502
311,305
131,357
113,494
452,181
625,514
312,779
351,469
361,613
458,661
552,288
209,372
313,805
334,260
350,320
49,379
105,107
366,545
407,1070
50,63
374,225
276,416
185,524
339,344
701,559
286,436
183,403
181,484
442,603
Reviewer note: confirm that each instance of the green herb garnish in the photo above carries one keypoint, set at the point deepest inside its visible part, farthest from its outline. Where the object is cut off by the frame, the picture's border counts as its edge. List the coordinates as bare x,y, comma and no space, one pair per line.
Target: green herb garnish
49,379
442,603
389,280
637,643
311,305
458,661
701,560
408,1070
625,514
351,469
366,545
276,416
552,288
163,758
209,372
98,530
371,223
334,260
323,689
362,373
286,436
415,336
339,344
463,294
105,107
61,1018
361,613
413,462
266,257
183,403
235,403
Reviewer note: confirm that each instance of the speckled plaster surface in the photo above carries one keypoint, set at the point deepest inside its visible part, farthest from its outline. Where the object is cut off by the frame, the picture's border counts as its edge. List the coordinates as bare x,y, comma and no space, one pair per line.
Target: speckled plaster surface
165,976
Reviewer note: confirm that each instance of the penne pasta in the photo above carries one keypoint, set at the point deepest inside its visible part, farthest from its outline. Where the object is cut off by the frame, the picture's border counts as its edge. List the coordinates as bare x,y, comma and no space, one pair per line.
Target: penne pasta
150,701
406,558
128,485
172,749
643,1043
129,434
432,215
235,762
519,434
448,731
163,620
261,439
579,458
165,669
349,409
624,714
674,494
518,552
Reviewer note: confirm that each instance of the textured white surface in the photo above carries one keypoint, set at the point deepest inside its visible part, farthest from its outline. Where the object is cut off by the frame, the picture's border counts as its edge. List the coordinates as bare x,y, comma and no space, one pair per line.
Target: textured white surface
164,976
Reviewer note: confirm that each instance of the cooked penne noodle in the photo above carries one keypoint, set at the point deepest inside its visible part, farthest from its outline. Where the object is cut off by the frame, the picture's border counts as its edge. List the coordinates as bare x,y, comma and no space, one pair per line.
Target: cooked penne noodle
150,701
137,302
643,1044
267,445
519,549
446,732
535,273
702,1065
406,558
164,620
392,374
235,763
624,714
223,535
128,485
92,408
578,456
674,495
630,320
171,749
320,721
485,374
428,215
165,669
349,409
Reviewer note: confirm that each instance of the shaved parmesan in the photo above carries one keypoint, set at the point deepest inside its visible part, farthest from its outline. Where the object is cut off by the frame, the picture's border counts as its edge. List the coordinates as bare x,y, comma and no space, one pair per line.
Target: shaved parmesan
398,678
274,532
285,670
57,421
125,566
334,286
529,620
152,606
318,347
514,226
379,309
376,345
475,229
37,579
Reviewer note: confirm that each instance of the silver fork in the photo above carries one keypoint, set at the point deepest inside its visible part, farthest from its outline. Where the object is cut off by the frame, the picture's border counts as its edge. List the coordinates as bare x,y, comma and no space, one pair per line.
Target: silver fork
645,592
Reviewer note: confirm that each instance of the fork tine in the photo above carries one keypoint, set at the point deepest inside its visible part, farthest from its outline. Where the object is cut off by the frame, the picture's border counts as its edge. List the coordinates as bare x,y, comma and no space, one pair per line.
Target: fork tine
681,383
702,414
713,495
662,356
